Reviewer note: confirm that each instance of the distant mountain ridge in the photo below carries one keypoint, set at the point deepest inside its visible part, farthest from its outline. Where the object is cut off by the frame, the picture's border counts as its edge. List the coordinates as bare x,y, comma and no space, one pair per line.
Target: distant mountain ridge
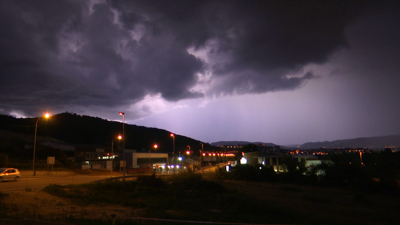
79,129
380,142
225,143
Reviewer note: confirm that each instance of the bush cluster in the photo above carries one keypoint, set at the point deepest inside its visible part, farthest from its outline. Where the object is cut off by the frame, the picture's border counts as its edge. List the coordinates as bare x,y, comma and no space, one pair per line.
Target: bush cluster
379,172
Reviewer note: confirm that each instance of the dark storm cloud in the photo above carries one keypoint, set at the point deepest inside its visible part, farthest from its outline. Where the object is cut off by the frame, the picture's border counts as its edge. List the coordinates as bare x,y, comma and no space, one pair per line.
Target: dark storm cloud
28,39
254,43
71,55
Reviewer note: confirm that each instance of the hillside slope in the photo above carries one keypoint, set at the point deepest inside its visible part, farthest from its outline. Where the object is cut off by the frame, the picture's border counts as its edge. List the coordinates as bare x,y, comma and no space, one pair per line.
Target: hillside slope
368,142
85,130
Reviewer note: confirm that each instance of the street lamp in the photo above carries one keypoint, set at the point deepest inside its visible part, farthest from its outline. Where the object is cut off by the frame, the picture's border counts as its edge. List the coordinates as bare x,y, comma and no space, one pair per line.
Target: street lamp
173,149
119,137
46,115
201,155
150,165
180,159
123,141
189,159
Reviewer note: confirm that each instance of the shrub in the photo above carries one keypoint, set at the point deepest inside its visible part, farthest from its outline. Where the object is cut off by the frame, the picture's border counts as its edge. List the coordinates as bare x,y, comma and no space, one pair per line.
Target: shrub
3,160
248,172
3,194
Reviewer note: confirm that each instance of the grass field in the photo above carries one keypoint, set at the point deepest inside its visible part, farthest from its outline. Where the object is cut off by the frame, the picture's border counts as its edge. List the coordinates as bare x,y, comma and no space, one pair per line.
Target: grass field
323,205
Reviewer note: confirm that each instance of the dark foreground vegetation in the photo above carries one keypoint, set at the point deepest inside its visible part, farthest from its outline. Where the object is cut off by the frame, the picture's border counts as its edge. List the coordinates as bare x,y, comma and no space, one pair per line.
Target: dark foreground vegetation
183,197
377,172
189,197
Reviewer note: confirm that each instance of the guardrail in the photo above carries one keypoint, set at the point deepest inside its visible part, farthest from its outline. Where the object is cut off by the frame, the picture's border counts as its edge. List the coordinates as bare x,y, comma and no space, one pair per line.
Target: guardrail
155,221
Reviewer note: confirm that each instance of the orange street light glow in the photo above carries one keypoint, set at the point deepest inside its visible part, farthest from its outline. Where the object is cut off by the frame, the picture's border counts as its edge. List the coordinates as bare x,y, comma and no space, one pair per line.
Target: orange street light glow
119,137
155,146
46,115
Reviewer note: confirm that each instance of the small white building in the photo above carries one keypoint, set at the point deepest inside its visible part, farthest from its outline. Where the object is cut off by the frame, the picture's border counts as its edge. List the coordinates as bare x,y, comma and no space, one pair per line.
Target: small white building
275,161
147,159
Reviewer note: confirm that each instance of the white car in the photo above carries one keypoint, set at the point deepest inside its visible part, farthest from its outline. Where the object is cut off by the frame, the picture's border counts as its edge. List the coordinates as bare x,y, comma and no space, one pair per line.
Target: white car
9,174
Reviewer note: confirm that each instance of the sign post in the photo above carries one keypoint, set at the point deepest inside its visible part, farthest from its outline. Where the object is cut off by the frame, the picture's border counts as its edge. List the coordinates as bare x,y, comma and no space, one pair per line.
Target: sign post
51,160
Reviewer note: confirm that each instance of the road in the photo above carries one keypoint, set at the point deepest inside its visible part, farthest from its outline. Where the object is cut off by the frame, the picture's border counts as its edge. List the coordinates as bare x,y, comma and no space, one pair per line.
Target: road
42,180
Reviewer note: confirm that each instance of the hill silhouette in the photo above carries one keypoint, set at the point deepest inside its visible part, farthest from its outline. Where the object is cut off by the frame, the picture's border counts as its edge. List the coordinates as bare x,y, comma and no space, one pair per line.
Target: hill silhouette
86,130
224,143
369,142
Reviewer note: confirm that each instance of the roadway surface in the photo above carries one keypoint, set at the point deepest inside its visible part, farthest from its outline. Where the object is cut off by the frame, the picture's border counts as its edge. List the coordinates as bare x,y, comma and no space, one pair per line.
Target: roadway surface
43,179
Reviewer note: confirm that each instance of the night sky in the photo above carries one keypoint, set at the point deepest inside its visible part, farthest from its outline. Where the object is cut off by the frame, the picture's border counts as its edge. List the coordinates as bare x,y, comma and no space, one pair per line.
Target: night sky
286,72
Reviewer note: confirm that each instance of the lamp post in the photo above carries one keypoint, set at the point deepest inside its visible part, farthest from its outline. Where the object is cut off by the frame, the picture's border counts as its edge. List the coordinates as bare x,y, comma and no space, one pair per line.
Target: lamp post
173,149
119,137
189,161
46,115
123,142
150,165
201,155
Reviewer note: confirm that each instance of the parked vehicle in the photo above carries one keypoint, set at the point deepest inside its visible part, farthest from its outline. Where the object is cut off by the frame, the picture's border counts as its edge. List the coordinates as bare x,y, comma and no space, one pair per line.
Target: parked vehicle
9,174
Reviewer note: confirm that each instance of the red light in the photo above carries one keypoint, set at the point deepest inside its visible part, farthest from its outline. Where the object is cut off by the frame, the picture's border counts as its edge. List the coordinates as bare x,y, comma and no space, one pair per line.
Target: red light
172,135
121,113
